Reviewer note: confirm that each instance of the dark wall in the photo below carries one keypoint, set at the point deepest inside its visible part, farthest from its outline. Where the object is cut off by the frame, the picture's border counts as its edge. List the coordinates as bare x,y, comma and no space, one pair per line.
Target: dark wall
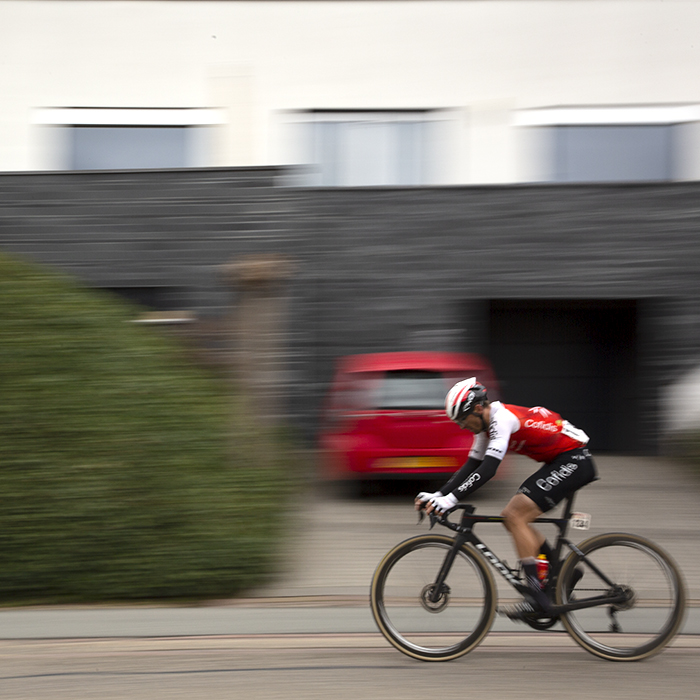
420,268
576,357
157,235
392,269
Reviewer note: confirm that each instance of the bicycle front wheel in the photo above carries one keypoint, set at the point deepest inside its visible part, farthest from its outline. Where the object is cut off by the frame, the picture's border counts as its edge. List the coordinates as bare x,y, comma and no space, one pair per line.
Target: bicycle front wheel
427,620
640,572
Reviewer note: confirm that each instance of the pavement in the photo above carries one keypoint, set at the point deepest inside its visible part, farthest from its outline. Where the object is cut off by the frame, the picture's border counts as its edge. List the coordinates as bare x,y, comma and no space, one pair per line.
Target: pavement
336,543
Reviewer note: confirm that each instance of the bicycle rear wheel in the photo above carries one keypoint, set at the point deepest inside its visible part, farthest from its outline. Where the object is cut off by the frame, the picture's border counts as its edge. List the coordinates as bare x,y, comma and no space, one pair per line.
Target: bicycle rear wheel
640,571
418,621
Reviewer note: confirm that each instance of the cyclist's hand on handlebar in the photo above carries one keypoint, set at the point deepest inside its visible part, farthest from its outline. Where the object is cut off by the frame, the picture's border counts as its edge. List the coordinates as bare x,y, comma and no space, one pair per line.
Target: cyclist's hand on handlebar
441,503
424,497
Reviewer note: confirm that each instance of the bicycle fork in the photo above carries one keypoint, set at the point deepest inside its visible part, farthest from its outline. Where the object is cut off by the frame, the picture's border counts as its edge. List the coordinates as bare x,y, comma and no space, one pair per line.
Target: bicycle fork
440,588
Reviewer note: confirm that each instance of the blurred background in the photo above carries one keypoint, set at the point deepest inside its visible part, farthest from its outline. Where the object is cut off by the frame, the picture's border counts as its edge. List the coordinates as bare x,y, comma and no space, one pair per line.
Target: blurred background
517,179
277,185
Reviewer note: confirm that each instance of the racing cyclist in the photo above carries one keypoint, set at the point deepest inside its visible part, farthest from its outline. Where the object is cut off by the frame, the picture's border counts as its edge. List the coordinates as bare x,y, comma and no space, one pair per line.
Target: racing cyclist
538,433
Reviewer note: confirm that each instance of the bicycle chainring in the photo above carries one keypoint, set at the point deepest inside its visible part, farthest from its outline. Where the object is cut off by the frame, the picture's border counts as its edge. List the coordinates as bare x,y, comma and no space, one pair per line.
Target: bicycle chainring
541,623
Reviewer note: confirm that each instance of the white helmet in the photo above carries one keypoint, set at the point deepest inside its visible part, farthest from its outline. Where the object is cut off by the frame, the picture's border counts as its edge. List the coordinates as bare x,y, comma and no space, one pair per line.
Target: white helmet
463,397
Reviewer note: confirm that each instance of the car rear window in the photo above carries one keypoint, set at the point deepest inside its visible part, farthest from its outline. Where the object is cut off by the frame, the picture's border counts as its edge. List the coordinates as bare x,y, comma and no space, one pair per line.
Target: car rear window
398,390
411,389
393,390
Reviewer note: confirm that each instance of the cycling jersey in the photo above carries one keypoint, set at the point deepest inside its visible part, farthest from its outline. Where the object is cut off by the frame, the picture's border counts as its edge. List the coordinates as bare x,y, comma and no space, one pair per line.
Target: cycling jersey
536,432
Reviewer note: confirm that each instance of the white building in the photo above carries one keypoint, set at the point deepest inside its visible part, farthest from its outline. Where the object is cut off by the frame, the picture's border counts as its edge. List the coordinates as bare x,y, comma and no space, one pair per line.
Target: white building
358,92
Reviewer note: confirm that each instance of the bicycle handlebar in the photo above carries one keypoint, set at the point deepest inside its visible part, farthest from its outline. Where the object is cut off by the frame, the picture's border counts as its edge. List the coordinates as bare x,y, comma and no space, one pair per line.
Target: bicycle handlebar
442,519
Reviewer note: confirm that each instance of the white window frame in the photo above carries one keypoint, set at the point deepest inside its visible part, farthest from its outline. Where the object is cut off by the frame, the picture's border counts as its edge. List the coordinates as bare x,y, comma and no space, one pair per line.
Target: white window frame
432,157
53,123
535,151
119,116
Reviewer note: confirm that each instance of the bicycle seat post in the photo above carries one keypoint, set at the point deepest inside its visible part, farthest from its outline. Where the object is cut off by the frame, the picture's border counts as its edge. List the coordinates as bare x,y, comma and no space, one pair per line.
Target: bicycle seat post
562,526
569,506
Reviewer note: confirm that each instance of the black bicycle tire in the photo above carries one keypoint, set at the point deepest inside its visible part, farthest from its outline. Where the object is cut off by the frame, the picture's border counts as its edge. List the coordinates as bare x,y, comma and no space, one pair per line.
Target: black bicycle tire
653,646
376,599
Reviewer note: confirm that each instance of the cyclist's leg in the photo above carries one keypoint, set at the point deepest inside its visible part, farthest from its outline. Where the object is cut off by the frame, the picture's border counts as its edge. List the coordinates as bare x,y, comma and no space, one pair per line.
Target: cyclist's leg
544,490
518,514
539,493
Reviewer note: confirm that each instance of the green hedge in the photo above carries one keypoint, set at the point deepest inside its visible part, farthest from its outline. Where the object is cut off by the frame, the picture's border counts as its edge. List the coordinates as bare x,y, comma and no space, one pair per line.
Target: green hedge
126,472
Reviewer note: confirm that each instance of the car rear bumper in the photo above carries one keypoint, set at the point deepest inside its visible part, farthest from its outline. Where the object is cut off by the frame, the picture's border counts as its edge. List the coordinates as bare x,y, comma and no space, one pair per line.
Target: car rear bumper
391,463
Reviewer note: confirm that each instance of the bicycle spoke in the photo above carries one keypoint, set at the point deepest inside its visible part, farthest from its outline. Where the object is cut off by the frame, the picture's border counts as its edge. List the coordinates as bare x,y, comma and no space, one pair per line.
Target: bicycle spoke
425,621
650,585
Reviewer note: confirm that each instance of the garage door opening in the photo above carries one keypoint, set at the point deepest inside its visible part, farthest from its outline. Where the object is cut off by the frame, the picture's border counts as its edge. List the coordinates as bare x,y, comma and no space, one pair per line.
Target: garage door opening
576,357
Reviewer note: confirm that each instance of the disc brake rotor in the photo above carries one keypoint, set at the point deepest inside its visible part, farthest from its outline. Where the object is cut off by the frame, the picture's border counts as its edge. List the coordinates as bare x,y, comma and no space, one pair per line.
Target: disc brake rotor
438,604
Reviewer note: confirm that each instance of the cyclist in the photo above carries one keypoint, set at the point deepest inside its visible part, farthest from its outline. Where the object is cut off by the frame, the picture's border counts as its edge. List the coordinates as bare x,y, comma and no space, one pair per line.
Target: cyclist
534,432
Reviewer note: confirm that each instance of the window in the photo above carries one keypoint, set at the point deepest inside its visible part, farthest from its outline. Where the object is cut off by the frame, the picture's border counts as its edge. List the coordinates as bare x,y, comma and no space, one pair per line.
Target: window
370,148
113,139
395,390
118,147
152,298
613,153
412,389
610,144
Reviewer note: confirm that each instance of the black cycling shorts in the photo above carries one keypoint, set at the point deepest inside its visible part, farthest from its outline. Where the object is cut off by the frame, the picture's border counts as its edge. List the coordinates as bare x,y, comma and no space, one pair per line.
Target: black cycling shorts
555,480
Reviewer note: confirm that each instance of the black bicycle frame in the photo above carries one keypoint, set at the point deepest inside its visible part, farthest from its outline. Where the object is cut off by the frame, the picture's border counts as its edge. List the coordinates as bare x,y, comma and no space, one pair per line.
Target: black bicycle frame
465,533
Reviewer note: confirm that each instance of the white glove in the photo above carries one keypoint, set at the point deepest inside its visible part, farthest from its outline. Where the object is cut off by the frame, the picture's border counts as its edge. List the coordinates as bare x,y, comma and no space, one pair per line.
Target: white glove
443,503
424,496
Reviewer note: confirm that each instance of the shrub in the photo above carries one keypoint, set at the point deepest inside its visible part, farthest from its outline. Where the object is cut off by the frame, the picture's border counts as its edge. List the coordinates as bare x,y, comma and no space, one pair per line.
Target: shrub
126,472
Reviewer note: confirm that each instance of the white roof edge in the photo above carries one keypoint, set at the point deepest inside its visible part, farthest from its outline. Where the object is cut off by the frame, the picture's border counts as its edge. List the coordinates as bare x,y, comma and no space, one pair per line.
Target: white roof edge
560,116
96,116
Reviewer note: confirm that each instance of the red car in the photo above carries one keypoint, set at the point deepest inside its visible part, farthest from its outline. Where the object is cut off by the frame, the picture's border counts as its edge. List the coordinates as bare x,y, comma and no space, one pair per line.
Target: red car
385,415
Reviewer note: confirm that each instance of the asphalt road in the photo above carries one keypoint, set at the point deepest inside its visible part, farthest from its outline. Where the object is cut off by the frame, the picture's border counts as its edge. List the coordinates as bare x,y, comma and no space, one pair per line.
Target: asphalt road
345,667
326,616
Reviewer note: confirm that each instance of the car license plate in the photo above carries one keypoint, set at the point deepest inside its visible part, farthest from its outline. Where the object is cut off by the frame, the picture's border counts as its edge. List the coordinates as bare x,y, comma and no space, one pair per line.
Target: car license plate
416,463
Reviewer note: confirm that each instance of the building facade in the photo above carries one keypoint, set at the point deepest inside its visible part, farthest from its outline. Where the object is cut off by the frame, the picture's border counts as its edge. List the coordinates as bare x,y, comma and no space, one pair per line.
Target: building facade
355,92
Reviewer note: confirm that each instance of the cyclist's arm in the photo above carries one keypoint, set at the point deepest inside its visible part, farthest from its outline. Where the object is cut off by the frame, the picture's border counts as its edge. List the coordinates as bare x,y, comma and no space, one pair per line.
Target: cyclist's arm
460,476
484,459
458,487
476,477
474,459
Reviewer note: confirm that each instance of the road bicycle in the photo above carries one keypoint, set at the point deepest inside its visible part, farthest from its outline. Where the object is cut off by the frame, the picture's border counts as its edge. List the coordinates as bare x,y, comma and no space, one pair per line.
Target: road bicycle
620,596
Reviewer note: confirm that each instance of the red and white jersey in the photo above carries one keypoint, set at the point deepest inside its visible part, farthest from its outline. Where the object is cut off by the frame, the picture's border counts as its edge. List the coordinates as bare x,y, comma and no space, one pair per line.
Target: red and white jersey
536,432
